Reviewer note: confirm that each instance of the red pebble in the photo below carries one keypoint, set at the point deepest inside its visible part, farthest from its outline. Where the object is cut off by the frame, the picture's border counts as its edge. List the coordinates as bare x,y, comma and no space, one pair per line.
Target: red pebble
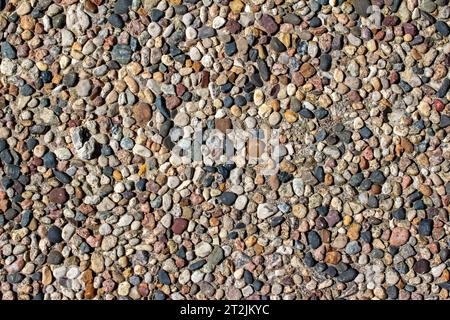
406,181
394,78
438,105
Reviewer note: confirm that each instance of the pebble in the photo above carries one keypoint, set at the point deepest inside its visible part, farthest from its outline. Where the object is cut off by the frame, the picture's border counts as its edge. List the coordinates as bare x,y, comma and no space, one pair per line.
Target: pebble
58,195
426,227
122,6
83,88
203,249
163,277
347,276
54,234
8,51
54,257
325,62
228,198
422,266
121,53
238,149
399,236
216,256
265,210
442,28
314,240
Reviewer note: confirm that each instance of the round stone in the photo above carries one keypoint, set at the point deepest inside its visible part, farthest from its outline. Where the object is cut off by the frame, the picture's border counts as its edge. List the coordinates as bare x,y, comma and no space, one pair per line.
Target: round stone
54,257
54,234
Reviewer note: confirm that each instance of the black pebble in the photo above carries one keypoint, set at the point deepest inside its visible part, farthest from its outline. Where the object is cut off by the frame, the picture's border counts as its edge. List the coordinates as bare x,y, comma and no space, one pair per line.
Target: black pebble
240,100
116,21
276,221
11,213
377,177
309,260
156,15
8,51
444,254
257,285
322,210
314,240
315,22
159,295
372,202
306,113
416,195
426,227
70,80
331,271
62,176
284,176
59,21
248,277
392,292
230,48
277,45
263,70
320,267
442,28
122,6
319,173
356,179
228,198
365,132
54,234
445,121
49,160
321,113
6,156
26,218
15,277
197,265
325,62
26,90
443,89
181,252
366,184
366,236
419,205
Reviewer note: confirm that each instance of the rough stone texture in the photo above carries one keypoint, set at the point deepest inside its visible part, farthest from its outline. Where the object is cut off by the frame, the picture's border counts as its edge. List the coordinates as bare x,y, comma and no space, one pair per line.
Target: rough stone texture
192,150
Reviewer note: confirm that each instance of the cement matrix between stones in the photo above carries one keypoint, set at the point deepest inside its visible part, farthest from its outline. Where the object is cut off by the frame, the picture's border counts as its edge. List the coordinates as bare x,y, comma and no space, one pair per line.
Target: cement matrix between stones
335,118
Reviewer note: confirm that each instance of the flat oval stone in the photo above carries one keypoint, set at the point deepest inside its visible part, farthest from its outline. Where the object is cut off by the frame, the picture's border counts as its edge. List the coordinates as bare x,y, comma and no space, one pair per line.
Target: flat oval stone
399,236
